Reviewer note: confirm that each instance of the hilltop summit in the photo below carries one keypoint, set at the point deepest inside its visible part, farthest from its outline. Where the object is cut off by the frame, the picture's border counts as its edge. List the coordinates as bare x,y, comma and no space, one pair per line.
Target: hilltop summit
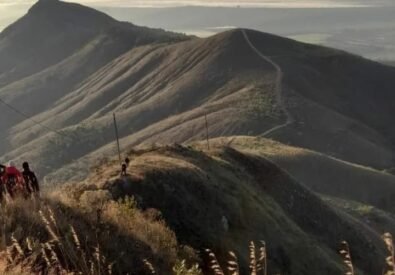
55,10
53,48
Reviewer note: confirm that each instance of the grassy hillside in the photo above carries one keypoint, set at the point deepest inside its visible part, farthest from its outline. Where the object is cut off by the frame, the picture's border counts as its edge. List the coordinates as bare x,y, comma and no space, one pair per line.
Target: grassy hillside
196,191
78,42
341,103
162,93
133,85
323,174
94,236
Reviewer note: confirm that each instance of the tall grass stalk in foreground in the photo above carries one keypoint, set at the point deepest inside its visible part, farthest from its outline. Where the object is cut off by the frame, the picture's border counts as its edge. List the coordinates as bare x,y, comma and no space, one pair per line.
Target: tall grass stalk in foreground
214,264
61,254
390,260
54,241
233,265
346,255
258,261
60,250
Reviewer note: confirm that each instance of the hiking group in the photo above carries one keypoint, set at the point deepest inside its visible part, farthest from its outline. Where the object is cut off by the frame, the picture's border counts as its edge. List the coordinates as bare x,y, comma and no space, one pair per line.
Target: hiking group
14,183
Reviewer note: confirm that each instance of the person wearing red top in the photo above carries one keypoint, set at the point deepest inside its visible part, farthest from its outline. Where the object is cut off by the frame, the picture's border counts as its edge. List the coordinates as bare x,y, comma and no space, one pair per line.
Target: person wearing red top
12,178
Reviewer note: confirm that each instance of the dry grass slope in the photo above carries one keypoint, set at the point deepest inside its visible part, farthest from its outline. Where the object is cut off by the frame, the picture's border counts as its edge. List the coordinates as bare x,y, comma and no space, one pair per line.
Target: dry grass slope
197,192
326,175
176,200
113,237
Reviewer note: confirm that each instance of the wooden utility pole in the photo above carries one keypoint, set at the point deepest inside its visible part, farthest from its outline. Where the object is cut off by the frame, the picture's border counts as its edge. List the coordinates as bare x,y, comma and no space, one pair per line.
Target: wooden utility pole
117,137
207,136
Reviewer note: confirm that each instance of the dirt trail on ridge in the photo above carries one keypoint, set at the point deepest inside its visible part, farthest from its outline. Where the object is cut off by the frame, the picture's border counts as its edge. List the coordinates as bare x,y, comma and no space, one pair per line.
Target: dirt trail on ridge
278,87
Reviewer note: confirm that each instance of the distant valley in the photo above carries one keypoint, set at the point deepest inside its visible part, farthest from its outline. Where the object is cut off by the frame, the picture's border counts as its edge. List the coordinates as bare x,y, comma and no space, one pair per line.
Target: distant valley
366,31
361,27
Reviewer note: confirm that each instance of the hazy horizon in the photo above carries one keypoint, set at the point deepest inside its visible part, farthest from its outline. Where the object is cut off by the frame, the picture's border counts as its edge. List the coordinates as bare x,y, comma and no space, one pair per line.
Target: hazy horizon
359,26
11,10
208,3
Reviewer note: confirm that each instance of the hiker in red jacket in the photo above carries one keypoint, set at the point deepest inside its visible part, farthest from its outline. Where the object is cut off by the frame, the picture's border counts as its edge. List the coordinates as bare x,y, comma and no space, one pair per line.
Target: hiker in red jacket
13,179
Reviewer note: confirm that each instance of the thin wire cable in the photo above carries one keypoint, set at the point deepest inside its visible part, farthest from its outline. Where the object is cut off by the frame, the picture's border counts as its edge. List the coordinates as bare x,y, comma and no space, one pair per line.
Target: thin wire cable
32,120
16,110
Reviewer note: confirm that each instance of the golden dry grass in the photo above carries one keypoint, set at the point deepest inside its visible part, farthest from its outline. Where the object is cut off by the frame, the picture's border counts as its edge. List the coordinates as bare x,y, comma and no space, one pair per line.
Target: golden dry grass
52,238
166,181
326,175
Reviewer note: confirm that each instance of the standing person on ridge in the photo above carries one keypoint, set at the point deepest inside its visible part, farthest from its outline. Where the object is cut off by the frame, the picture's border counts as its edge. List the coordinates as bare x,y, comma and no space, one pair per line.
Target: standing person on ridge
124,168
31,181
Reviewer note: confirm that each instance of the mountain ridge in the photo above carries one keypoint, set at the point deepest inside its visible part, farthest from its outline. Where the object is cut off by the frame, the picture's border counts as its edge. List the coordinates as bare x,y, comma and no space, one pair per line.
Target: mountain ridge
147,91
31,89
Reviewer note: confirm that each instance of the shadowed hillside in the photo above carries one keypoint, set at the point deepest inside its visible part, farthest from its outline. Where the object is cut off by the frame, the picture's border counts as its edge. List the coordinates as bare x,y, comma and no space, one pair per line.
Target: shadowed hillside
321,173
195,190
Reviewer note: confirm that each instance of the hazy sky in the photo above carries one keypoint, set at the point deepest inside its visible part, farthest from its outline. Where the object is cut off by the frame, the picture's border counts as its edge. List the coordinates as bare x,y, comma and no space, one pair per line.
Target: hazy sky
167,3
249,3
11,10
